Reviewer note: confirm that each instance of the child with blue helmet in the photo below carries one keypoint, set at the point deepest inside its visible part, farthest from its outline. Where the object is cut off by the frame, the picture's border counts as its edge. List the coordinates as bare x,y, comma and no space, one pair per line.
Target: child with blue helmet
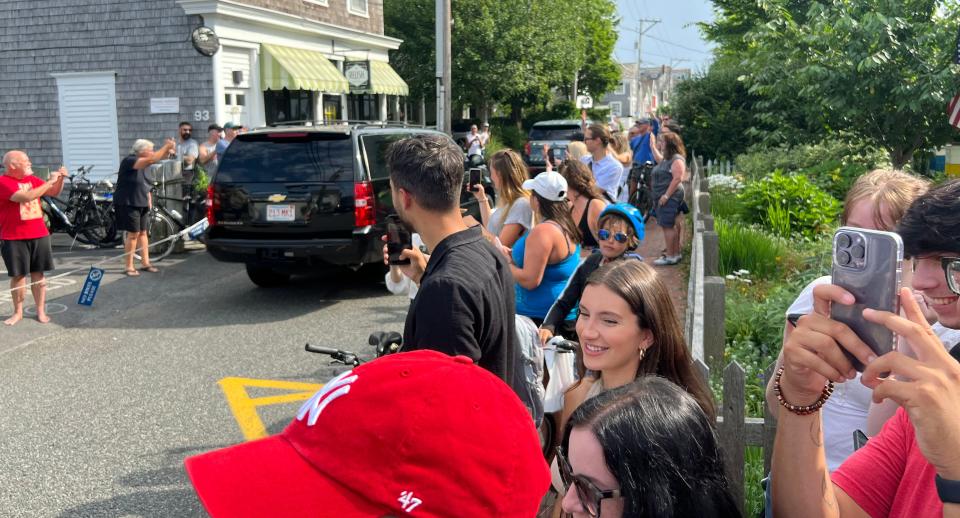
621,231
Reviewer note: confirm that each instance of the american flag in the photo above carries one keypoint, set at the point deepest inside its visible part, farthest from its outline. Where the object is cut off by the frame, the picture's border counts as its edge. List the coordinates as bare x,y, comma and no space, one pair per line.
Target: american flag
953,109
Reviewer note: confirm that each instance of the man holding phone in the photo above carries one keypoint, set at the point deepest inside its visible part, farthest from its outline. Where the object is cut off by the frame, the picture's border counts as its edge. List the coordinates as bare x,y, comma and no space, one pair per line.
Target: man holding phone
465,303
912,467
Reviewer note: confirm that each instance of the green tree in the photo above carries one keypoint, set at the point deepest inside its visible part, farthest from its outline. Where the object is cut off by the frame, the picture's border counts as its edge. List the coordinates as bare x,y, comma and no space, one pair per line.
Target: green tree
598,72
413,22
880,70
716,111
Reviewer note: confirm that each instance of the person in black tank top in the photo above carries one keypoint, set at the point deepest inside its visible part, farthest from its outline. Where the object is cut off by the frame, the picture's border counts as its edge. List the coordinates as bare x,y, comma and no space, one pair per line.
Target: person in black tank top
588,239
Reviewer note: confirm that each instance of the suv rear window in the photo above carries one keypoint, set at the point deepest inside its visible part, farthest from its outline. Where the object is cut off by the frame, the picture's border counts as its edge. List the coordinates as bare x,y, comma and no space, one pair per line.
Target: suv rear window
307,158
556,133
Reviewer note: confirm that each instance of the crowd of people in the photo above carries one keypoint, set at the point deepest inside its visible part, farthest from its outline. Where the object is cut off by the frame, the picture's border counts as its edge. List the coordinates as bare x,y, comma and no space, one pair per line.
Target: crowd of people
26,248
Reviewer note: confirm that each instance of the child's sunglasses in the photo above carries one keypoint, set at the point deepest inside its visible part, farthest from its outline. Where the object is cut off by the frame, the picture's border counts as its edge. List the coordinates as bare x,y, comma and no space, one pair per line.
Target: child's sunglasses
605,235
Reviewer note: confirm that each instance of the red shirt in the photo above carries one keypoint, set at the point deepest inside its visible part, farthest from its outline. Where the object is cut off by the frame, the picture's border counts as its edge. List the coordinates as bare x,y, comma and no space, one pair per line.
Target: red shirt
889,476
20,220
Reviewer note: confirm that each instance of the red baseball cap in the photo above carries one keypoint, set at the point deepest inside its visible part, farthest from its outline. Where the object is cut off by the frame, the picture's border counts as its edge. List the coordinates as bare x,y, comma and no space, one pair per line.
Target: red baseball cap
418,434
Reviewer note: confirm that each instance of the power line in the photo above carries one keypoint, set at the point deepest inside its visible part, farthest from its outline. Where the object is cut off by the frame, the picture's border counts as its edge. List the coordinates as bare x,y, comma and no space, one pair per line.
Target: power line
679,45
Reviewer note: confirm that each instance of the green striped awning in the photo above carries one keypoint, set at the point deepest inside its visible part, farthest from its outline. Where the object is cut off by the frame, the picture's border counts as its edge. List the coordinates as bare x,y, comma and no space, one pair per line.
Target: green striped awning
298,69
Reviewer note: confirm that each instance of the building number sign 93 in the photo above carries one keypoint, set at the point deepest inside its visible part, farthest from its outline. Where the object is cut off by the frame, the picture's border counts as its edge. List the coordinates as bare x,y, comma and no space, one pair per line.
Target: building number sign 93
201,115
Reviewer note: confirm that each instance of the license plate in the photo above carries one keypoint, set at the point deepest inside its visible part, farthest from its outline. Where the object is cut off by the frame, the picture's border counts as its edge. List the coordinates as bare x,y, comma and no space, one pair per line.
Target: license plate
280,213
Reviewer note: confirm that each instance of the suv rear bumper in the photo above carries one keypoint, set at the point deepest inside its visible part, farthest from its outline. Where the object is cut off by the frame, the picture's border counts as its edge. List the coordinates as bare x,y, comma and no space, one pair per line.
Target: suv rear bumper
297,254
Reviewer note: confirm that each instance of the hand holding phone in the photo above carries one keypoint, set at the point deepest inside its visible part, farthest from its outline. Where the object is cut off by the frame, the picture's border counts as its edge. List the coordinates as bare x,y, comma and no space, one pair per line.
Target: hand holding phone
867,264
398,240
475,178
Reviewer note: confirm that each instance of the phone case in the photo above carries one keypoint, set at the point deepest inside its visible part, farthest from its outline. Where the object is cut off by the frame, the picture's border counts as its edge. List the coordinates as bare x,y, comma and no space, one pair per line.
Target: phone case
872,275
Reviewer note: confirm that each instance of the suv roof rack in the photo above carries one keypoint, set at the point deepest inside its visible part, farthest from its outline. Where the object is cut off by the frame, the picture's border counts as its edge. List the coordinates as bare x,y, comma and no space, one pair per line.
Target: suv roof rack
347,122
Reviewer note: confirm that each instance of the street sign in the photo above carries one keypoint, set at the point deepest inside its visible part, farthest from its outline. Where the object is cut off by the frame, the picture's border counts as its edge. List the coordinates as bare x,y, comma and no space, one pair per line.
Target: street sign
584,102
91,286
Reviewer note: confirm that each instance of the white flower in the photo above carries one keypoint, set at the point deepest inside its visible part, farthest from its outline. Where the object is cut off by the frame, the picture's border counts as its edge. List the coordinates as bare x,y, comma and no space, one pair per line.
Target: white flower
743,272
731,278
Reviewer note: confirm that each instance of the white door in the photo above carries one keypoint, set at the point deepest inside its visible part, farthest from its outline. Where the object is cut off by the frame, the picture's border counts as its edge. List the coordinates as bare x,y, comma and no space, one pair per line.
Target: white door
88,121
236,102
235,73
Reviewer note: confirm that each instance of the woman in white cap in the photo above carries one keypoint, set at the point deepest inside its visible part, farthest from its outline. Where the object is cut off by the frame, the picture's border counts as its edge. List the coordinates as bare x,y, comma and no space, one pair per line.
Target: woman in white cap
543,259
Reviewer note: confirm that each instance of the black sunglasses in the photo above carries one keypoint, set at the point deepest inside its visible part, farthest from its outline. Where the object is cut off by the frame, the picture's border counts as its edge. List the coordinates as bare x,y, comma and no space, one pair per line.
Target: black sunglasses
589,494
605,234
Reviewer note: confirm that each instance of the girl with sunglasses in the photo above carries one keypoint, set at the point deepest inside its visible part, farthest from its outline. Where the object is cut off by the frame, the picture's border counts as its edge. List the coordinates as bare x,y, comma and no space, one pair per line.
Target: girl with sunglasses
620,232
643,449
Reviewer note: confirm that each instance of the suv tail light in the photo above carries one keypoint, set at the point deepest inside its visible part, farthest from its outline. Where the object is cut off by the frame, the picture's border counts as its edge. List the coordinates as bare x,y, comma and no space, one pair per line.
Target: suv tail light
213,205
526,148
363,209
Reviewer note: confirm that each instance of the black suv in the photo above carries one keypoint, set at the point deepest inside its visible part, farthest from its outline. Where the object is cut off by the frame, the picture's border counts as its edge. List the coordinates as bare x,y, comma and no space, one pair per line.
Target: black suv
293,199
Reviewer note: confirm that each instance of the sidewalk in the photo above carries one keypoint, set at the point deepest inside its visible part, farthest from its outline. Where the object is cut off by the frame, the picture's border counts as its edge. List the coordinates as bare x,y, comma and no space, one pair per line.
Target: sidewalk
672,276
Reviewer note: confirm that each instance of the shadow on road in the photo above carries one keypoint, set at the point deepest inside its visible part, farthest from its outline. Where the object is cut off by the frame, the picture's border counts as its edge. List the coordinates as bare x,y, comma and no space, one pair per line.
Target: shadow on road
195,291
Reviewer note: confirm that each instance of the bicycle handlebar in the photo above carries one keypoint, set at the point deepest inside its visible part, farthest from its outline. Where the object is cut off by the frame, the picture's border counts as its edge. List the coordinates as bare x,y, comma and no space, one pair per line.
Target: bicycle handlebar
563,345
321,350
338,356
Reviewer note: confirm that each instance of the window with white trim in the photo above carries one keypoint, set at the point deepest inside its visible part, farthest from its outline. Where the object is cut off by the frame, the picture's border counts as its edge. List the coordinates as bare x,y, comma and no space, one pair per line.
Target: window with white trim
357,7
621,89
318,2
615,108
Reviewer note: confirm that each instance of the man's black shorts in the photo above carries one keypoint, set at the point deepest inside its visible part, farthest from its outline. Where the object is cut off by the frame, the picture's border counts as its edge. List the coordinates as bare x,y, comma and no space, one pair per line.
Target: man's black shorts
25,256
132,219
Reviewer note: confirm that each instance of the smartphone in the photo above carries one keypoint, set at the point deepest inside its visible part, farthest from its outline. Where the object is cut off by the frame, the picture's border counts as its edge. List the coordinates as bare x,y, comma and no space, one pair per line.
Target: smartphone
868,264
398,240
859,439
475,177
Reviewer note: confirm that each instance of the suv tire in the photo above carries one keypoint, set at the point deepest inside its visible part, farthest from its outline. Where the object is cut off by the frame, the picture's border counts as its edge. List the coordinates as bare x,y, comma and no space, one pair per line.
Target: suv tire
267,278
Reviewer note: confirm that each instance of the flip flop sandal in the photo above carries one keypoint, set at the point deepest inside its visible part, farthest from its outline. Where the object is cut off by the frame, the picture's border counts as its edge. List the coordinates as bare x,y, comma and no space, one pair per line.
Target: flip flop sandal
151,269
132,273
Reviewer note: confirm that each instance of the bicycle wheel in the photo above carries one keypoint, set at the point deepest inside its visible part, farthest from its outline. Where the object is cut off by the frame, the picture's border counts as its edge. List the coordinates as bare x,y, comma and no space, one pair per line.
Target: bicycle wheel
94,226
160,229
108,217
643,200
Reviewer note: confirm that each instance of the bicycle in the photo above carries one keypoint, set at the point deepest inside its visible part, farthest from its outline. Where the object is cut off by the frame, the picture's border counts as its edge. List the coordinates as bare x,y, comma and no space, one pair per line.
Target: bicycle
166,225
641,189
87,214
384,342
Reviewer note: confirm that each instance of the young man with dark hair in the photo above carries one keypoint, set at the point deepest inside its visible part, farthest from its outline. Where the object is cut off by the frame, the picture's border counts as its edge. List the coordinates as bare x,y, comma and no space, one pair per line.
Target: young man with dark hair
912,467
465,304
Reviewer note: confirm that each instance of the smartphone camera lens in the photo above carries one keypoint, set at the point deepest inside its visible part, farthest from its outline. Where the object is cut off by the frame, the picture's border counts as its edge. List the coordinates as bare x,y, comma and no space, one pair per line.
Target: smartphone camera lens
843,258
843,240
857,251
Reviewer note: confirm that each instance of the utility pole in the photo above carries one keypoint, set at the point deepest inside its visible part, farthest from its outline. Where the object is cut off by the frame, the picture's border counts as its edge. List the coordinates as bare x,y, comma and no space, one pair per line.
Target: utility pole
443,65
640,32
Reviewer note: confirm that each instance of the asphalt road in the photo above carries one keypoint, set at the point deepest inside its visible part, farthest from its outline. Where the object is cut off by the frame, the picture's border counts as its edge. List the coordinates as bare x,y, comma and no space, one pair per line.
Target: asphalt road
99,408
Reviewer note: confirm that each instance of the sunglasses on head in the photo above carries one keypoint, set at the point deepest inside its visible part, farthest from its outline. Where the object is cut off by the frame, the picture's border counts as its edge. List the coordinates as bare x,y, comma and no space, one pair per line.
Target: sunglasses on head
589,494
605,235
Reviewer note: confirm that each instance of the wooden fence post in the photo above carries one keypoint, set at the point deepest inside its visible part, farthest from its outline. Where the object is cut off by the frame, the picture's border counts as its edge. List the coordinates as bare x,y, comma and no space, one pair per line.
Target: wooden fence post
703,371
714,326
733,429
711,253
703,204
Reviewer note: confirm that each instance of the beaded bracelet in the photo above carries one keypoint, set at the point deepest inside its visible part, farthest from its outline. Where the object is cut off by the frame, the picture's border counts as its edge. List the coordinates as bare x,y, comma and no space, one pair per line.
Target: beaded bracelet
806,409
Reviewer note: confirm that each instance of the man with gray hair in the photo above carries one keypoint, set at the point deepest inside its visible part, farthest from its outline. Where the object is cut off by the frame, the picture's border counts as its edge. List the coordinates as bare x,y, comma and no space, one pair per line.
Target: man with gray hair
26,242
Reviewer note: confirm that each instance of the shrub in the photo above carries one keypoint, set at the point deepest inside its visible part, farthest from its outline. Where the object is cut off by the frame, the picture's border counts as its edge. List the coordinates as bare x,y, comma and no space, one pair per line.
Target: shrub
507,134
748,248
835,153
810,211
724,202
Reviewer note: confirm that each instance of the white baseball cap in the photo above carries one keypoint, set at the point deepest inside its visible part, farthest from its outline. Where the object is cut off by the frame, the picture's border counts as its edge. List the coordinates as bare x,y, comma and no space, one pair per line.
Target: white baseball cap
548,184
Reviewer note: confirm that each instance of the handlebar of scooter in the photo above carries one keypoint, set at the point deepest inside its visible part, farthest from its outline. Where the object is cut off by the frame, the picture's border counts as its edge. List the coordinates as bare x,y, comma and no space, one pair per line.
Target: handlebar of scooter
338,356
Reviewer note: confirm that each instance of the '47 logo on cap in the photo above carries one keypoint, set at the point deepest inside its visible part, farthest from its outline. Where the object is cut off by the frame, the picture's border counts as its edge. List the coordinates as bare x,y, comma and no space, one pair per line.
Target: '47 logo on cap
408,502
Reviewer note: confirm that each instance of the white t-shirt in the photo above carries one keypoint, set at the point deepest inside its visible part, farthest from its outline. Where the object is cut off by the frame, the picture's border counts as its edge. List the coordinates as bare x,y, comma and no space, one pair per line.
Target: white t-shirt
477,143
520,213
406,284
846,410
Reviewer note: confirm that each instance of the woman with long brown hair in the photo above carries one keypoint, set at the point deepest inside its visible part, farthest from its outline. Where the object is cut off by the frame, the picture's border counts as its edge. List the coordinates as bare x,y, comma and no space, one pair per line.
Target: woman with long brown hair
628,328
587,200
668,194
512,217
543,260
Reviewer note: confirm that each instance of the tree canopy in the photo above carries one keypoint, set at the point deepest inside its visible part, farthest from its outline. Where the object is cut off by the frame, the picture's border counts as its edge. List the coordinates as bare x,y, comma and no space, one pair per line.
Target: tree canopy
515,52
879,70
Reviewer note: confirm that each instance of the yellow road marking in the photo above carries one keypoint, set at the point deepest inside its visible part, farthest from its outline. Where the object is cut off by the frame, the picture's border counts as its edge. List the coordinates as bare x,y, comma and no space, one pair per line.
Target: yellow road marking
244,407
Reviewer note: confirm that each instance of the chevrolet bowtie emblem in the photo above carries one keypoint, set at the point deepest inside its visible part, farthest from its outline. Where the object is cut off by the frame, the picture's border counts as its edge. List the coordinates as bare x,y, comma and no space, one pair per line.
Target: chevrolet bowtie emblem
276,198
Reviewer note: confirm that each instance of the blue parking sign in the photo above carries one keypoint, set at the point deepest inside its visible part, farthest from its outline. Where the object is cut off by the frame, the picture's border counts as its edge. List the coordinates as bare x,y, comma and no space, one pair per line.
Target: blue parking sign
91,286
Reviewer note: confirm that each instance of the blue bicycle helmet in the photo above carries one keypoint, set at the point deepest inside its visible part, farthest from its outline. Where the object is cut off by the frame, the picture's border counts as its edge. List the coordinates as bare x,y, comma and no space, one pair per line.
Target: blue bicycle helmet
627,211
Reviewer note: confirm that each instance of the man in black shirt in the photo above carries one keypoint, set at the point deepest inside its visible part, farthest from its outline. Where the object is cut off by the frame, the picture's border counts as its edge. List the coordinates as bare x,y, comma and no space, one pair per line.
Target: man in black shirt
465,305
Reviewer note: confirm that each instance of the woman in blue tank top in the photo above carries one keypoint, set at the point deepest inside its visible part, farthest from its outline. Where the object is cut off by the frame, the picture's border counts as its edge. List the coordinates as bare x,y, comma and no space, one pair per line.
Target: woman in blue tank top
544,258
